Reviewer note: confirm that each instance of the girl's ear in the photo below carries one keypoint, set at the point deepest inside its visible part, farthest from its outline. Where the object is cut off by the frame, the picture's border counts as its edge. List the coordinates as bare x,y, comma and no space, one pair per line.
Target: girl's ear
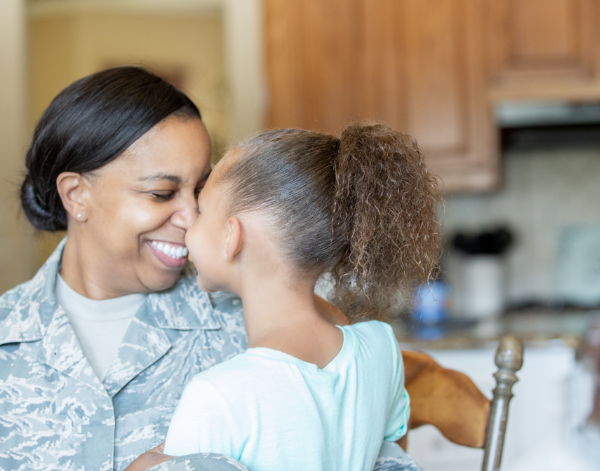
72,188
234,239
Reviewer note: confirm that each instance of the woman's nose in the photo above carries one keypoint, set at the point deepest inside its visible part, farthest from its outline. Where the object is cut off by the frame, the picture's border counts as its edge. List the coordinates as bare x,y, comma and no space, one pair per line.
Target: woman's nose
186,214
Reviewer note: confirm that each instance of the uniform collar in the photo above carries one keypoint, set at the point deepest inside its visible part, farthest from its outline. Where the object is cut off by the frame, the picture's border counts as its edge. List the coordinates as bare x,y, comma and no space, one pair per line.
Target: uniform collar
27,310
184,306
29,307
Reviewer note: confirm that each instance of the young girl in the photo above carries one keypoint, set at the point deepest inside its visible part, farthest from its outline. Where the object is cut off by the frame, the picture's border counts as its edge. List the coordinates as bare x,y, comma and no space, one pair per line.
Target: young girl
277,212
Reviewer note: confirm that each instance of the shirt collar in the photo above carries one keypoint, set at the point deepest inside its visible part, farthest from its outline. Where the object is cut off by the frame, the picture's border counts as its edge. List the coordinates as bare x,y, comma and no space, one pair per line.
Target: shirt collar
26,311
184,306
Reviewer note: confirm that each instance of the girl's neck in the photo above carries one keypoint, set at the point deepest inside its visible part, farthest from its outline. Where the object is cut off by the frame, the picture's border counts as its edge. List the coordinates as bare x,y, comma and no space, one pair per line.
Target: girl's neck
282,315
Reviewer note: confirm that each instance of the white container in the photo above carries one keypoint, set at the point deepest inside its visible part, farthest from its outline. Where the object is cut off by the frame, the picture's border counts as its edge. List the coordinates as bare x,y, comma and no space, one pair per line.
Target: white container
478,286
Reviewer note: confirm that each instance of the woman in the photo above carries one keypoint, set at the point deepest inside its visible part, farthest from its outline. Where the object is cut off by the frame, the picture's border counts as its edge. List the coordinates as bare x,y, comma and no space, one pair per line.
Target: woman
95,350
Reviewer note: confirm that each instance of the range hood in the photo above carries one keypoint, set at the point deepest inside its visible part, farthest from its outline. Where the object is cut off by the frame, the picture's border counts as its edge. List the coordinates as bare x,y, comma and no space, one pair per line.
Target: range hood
534,125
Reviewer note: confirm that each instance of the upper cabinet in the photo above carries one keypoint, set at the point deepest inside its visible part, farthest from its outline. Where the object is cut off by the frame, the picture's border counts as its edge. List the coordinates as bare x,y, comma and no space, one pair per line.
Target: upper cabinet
430,68
544,49
418,65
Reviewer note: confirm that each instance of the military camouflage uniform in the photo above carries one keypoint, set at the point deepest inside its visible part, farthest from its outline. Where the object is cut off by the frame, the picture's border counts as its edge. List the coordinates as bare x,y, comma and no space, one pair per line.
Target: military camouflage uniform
54,411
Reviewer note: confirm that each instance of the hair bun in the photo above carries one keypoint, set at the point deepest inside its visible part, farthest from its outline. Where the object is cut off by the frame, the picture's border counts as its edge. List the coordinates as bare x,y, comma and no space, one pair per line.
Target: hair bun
37,212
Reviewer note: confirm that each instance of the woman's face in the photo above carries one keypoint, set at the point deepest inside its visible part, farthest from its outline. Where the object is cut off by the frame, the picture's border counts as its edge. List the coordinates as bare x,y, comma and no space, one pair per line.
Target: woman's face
140,205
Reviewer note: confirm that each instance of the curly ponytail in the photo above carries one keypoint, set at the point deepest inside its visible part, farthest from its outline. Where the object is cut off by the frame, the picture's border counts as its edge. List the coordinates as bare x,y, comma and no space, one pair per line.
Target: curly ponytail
386,206
362,207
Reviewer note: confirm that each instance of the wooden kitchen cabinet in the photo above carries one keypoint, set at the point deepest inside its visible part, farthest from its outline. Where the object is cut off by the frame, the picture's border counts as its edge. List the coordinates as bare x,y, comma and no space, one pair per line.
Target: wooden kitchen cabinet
544,49
418,65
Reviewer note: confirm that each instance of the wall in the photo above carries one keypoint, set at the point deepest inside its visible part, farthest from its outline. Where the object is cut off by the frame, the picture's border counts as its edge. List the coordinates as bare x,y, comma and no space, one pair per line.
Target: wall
15,237
67,46
245,65
544,192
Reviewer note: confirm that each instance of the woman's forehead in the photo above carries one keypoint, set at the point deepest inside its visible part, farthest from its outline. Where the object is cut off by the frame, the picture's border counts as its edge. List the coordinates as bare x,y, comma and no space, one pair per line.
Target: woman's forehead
176,151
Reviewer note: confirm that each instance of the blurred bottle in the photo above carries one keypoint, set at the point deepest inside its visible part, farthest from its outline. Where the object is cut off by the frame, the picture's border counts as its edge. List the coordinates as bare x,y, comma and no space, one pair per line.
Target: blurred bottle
431,302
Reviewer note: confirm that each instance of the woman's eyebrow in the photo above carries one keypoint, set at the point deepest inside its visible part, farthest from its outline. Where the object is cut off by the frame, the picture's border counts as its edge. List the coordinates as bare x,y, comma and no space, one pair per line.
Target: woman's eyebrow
161,176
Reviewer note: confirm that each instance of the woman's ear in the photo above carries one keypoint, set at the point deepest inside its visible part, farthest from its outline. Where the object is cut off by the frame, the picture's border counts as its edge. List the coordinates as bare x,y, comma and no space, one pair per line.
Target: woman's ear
71,188
234,239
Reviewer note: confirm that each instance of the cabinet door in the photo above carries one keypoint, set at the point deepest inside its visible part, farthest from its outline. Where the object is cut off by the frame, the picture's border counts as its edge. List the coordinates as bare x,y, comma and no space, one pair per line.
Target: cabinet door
543,40
311,50
445,98
416,64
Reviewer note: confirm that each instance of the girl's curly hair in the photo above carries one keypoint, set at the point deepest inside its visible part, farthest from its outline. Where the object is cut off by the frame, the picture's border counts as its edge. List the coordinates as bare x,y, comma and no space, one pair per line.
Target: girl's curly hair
362,208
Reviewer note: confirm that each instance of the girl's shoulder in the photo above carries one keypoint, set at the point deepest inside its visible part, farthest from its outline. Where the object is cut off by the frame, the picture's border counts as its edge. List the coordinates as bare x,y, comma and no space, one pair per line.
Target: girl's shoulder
372,330
374,342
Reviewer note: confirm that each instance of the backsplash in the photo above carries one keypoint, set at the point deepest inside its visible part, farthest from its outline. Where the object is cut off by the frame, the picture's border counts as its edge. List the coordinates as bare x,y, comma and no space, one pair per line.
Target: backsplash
544,191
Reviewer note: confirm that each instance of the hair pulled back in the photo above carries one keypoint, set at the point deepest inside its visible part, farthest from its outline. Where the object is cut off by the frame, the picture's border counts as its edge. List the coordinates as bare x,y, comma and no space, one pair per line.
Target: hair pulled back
88,124
363,208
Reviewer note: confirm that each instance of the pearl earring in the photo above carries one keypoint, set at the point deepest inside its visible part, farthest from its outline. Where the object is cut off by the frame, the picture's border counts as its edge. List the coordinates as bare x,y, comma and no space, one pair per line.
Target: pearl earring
79,215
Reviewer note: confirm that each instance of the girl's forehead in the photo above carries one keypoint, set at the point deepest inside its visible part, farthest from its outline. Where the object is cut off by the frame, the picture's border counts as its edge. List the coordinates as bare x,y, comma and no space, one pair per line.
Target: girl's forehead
230,157
226,161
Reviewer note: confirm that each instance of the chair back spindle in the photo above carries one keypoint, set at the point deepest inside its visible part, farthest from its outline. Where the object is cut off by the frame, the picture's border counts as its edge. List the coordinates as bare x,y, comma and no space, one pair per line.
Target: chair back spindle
509,359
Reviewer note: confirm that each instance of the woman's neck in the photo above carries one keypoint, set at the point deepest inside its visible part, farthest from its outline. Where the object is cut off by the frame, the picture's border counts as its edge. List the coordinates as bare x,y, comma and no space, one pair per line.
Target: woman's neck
84,276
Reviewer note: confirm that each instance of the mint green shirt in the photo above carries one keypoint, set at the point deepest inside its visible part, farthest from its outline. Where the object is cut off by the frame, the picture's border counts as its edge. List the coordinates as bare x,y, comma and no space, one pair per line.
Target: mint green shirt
272,411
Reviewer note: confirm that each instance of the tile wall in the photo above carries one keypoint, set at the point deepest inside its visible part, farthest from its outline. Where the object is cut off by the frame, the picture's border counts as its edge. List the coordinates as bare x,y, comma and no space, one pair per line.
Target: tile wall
544,191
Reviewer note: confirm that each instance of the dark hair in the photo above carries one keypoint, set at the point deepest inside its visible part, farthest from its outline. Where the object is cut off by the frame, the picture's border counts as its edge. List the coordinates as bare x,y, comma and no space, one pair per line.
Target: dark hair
363,207
88,124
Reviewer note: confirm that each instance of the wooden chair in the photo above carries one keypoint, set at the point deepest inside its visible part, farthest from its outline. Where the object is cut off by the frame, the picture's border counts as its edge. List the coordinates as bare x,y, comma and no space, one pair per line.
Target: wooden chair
450,401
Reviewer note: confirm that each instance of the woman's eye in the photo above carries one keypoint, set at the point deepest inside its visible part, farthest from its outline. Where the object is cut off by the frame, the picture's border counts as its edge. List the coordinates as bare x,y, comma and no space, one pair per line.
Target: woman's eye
198,190
163,196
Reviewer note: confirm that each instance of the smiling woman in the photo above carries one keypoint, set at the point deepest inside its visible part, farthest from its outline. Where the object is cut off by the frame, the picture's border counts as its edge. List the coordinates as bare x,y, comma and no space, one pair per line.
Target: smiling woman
101,341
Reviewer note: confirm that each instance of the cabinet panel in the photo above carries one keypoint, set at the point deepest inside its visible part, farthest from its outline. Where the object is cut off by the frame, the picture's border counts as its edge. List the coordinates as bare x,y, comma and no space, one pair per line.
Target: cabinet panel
543,39
544,30
331,39
418,65
311,63
435,68
382,80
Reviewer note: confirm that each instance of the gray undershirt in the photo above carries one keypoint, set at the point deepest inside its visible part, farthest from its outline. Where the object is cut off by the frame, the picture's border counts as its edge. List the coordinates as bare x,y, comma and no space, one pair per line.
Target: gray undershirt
99,325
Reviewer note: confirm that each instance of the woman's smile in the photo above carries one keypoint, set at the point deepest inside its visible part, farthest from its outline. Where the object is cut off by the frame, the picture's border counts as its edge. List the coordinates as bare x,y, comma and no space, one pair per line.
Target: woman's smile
173,255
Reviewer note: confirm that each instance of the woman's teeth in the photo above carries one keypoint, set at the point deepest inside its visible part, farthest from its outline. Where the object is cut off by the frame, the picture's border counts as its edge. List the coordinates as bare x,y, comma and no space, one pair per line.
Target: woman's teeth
170,250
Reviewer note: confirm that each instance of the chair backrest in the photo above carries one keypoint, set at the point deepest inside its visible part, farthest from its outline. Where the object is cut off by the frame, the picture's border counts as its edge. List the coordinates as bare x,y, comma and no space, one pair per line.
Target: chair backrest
451,402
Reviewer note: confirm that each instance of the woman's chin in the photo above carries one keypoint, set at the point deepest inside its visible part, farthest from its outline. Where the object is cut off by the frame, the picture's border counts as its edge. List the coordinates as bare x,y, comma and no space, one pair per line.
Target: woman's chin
160,281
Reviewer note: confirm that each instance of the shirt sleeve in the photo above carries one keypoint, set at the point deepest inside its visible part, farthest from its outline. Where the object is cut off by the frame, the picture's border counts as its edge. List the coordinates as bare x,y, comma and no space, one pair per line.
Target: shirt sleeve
202,423
397,424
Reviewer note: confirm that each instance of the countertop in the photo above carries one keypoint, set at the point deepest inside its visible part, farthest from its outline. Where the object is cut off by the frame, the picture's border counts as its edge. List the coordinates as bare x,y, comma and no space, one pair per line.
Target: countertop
536,327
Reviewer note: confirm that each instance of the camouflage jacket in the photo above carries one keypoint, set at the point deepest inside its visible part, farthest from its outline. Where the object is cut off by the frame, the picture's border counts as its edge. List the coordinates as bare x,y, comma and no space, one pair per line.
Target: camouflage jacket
54,411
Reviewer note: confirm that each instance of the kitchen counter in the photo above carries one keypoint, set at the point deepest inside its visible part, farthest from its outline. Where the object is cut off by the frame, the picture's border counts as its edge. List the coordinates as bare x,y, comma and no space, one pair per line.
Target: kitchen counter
553,403
537,328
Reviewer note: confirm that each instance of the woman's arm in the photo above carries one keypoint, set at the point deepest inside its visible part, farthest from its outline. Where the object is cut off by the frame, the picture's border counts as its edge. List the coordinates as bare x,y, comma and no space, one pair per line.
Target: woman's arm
391,458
